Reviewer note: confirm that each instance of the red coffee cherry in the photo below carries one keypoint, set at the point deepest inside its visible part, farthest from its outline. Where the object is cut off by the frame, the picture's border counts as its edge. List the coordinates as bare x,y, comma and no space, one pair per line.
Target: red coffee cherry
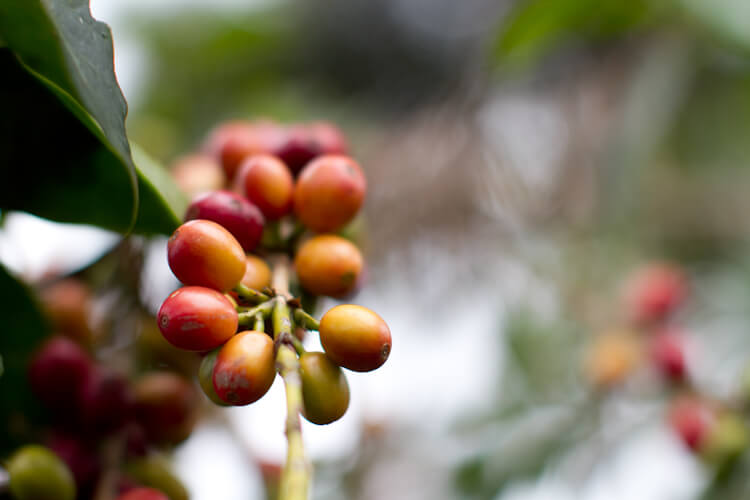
166,407
245,368
203,253
668,353
329,192
328,265
302,143
57,372
198,173
206,377
68,304
355,337
81,457
197,319
143,494
105,401
233,212
692,420
268,183
232,142
654,292
324,388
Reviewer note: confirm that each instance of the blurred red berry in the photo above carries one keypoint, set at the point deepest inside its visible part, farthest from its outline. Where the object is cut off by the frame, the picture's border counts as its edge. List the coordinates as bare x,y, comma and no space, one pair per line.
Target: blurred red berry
654,292
668,354
57,372
692,420
303,143
143,494
237,215
105,401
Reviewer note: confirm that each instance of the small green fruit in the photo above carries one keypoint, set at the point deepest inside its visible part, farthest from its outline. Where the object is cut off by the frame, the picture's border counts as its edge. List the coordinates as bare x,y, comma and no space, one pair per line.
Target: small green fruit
154,472
38,474
324,388
206,377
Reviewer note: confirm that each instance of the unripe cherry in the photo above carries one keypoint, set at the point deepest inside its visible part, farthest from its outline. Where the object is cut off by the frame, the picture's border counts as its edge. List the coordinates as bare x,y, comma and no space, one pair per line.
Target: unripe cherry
233,212
232,142
668,354
165,406
203,253
105,401
329,193
68,304
38,474
328,265
355,337
302,143
245,368
153,471
57,372
324,388
654,292
268,183
692,420
143,494
206,377
197,319
198,173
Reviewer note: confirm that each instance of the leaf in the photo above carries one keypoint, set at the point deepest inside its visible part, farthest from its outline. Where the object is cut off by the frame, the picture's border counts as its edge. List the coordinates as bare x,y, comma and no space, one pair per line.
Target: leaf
162,205
24,327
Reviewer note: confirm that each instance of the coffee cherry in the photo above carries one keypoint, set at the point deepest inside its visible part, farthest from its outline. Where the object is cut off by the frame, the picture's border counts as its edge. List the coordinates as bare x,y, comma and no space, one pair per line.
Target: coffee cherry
203,253
257,273
302,143
328,265
268,183
38,474
692,420
165,406
231,211
197,319
105,401
667,351
329,192
57,372
143,494
81,458
197,174
726,439
324,388
654,292
155,351
355,337
245,368
611,358
155,472
206,377
235,141
68,304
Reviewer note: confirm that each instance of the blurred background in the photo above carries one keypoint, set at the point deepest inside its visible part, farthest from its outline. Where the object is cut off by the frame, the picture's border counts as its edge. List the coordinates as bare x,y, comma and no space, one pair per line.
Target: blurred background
524,158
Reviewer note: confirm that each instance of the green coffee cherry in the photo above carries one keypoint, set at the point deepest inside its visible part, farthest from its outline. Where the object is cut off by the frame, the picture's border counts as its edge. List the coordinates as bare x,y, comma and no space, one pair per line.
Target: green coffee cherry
726,440
324,388
154,472
206,377
38,474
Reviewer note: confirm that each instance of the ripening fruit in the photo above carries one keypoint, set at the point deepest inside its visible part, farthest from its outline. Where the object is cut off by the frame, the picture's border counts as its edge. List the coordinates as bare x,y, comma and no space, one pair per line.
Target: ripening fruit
245,368
726,439
611,358
68,304
153,471
203,253
328,265
692,420
143,494
206,377
198,173
233,212
57,372
324,388
329,192
654,292
38,474
197,319
302,143
355,337
166,406
105,401
81,457
257,273
232,142
268,183
668,354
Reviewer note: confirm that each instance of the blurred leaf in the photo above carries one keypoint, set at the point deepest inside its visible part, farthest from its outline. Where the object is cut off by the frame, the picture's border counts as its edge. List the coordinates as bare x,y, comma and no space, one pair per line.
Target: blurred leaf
162,204
24,327
726,18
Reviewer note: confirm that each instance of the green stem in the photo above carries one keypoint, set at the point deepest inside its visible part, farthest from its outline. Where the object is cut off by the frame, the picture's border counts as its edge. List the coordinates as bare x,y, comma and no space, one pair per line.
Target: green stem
282,321
247,317
249,295
297,345
304,319
260,323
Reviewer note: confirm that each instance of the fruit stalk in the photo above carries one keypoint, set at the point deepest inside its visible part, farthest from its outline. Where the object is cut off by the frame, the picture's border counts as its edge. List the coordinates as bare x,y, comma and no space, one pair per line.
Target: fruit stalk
295,477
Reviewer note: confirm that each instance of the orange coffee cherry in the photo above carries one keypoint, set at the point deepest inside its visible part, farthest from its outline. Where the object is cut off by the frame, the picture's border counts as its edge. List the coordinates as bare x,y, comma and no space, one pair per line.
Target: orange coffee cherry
245,368
355,337
328,265
268,184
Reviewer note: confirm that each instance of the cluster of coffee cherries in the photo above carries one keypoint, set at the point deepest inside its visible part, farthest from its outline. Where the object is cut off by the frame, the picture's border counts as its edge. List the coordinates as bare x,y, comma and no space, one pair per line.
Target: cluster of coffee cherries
654,295
287,190
97,418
